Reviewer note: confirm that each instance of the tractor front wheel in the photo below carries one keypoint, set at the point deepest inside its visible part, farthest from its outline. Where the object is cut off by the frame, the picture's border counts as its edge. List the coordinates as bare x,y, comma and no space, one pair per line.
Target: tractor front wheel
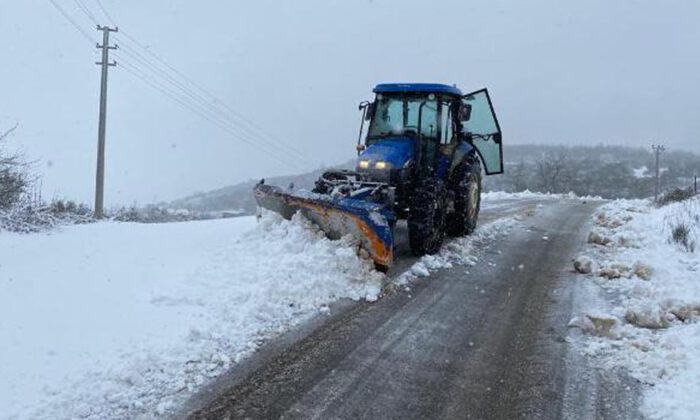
426,218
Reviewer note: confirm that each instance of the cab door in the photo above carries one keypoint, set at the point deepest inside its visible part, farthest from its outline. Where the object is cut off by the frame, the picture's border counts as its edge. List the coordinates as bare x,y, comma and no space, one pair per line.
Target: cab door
485,131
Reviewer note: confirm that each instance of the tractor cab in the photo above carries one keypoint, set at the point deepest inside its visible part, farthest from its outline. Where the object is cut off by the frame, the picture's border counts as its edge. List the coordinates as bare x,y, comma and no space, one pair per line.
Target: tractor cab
420,125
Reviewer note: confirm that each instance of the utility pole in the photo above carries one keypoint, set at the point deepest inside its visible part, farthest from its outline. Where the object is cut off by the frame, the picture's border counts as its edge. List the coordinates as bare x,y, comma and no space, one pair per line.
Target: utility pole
100,178
658,149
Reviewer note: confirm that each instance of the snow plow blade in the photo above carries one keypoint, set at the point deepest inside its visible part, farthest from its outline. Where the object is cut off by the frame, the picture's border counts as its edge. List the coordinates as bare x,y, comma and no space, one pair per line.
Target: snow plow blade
368,222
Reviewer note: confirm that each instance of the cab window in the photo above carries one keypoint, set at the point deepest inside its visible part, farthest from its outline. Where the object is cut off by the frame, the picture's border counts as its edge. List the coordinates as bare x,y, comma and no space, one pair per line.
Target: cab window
397,115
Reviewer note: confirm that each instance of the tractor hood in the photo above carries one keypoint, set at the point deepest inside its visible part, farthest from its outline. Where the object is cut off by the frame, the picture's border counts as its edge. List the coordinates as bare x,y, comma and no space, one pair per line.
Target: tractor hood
396,151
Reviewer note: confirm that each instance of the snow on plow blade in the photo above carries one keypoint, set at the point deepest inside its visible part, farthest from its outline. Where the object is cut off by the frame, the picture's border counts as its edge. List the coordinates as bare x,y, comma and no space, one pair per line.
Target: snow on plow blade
366,221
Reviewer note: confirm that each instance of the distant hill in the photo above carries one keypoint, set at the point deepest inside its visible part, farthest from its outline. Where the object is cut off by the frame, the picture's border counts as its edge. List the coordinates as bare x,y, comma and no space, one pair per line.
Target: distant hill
239,197
607,171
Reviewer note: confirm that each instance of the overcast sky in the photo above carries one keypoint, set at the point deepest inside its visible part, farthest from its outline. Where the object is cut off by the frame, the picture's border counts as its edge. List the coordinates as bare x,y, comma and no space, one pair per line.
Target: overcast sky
558,72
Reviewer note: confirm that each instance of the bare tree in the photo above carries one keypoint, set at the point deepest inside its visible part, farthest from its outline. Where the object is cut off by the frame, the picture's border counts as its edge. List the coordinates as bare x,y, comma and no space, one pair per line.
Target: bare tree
550,168
520,176
8,132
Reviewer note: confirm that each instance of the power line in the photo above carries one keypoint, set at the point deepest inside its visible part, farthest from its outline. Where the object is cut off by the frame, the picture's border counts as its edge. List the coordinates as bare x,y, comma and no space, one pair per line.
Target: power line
72,22
105,12
174,96
204,108
213,103
199,100
193,106
243,120
139,74
86,11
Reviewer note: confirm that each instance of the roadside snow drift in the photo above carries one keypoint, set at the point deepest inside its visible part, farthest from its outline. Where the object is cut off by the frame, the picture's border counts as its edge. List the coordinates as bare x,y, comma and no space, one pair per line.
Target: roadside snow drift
645,263
123,320
463,251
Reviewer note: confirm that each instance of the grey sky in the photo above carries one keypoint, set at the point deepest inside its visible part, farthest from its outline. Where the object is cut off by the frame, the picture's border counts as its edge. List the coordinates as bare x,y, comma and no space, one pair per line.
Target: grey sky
559,72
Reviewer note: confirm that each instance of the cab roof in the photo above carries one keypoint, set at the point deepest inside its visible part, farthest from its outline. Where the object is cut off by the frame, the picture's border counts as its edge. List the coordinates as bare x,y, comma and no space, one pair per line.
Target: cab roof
417,87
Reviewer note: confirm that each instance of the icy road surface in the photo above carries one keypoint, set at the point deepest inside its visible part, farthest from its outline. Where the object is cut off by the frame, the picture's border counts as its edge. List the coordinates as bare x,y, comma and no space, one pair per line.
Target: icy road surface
485,337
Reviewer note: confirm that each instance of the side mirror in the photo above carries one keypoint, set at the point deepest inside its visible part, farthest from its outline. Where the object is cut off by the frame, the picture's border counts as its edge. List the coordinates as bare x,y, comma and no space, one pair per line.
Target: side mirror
465,112
370,111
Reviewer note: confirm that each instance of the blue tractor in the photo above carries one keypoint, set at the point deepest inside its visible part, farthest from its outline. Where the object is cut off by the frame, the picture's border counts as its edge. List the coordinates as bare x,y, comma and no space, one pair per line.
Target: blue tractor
421,160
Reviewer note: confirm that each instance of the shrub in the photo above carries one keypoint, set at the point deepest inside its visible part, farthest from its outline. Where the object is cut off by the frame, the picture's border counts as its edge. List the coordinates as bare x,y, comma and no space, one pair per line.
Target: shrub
683,223
16,180
675,196
21,207
681,234
26,219
130,214
63,208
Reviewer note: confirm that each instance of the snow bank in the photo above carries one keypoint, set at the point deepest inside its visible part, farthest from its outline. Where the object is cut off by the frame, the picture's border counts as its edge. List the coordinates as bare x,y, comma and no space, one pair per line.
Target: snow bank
125,320
462,251
527,194
656,301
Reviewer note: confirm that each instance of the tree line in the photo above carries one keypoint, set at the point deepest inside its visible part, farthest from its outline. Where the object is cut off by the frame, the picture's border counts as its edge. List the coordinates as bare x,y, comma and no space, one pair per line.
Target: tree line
599,170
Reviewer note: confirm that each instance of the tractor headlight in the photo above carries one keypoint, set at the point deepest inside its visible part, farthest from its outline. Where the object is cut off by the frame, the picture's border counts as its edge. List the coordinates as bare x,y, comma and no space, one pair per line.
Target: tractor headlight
381,165
364,164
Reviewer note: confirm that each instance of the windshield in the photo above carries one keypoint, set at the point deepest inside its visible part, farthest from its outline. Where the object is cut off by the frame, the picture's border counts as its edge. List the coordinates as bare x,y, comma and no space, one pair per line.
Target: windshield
398,115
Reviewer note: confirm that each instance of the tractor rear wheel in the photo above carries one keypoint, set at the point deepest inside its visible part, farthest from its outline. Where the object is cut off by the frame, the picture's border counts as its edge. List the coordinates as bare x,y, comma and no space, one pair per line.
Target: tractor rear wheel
467,200
426,218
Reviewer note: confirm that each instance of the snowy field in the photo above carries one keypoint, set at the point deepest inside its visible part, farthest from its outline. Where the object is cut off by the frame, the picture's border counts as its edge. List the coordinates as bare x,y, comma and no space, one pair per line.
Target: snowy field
644,303
121,320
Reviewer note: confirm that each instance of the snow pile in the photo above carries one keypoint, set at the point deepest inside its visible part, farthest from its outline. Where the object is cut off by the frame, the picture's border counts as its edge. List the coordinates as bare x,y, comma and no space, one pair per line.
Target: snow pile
527,194
599,324
641,172
460,251
583,264
650,276
125,320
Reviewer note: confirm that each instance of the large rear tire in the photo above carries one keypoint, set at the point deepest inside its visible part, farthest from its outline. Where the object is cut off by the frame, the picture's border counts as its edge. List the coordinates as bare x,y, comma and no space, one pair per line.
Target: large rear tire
426,218
467,200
